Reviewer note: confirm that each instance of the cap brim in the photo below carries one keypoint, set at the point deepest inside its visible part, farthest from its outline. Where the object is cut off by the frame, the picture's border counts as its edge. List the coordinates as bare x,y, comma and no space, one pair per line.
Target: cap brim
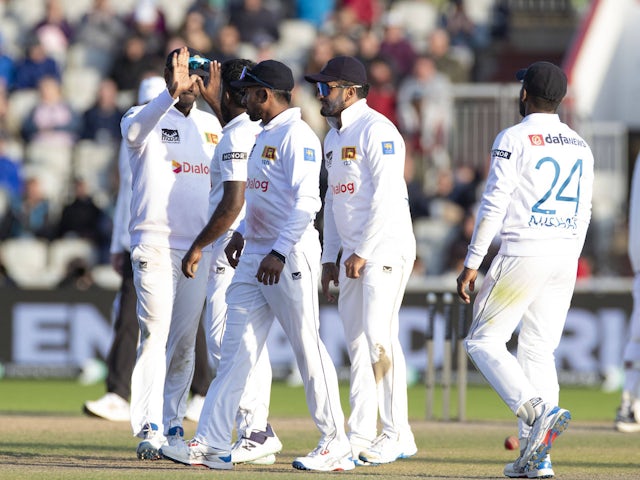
320,77
200,72
520,74
245,83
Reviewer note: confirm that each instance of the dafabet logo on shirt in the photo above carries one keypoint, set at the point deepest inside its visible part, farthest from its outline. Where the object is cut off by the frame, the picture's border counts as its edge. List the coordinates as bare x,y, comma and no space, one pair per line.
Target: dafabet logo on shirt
536,140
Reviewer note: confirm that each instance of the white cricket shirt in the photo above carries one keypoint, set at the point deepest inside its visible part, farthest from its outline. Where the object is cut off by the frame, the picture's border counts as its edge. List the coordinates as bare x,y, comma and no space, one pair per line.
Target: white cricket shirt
283,190
634,219
538,191
229,162
170,155
366,204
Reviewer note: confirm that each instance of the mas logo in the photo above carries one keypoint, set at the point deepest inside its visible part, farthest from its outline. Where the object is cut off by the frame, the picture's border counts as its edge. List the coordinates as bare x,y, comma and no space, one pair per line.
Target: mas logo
170,136
536,140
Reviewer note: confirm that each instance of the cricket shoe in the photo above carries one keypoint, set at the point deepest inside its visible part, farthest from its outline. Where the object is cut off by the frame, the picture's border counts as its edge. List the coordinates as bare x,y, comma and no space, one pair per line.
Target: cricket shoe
194,407
626,421
196,453
408,447
257,447
358,444
383,449
324,460
110,406
545,429
519,470
153,440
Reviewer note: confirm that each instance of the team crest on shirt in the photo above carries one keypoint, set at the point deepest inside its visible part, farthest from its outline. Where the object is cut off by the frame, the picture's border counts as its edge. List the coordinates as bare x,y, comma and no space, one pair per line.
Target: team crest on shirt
388,148
328,159
211,138
348,155
536,140
268,154
309,155
170,136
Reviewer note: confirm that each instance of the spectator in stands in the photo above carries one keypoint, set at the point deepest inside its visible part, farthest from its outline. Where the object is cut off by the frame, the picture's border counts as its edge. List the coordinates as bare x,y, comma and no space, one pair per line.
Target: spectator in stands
425,109
10,173
7,66
4,106
367,12
316,12
194,34
396,46
148,22
52,121
456,21
82,218
382,91
214,13
456,67
131,63
100,31
227,44
54,31
34,66
30,214
101,122
368,46
255,21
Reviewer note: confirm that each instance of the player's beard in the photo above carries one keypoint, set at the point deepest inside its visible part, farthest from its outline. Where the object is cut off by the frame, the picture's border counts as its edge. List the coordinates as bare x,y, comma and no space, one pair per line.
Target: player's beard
332,108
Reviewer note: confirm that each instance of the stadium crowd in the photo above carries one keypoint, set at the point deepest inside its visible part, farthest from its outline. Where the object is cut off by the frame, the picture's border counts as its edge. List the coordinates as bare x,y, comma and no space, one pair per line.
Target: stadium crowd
69,69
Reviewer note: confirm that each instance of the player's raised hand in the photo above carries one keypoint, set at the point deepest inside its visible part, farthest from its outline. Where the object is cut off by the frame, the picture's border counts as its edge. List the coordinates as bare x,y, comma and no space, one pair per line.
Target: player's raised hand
467,277
210,91
190,262
179,80
330,272
233,250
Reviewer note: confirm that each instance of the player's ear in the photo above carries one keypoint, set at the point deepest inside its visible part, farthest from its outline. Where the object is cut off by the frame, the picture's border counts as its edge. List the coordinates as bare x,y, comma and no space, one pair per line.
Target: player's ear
262,95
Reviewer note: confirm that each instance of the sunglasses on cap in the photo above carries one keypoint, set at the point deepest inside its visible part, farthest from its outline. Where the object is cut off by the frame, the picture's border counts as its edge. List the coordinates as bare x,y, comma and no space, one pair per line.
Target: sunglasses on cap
196,63
324,89
246,73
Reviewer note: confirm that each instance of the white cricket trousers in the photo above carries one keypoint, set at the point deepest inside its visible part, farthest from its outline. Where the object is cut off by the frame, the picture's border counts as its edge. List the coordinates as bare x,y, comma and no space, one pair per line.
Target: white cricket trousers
254,404
169,309
369,307
535,293
252,308
631,353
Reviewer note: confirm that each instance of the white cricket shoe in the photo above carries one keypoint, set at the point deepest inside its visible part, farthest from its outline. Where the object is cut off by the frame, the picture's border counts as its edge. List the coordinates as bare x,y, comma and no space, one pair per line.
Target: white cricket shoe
359,444
110,406
626,420
153,440
324,460
257,447
197,453
545,429
408,447
194,407
519,470
383,449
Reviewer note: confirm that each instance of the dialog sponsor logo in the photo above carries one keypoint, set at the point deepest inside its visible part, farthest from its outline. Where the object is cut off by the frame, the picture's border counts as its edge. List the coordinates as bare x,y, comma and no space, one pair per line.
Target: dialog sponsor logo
343,188
255,184
186,167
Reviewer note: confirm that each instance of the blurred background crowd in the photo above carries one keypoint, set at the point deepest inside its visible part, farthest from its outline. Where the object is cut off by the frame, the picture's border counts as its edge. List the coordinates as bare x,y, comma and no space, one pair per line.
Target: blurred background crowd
69,69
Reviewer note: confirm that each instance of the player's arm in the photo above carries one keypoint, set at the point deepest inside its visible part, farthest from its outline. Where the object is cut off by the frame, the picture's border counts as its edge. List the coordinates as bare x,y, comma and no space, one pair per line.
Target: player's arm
222,218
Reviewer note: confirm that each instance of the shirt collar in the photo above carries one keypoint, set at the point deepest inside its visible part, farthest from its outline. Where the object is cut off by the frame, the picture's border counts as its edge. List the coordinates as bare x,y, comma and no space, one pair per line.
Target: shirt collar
349,115
290,114
541,117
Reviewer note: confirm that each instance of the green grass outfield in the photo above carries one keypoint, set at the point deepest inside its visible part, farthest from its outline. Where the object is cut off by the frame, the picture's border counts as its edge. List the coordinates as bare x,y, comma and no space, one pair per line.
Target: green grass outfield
45,436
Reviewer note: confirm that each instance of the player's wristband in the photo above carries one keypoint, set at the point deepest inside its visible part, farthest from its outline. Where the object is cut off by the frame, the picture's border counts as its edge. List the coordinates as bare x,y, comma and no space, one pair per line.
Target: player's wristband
278,255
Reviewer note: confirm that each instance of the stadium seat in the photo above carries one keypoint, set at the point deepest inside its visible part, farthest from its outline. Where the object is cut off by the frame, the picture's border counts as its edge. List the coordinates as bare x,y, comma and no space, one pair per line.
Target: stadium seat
62,251
26,262
21,102
80,87
96,163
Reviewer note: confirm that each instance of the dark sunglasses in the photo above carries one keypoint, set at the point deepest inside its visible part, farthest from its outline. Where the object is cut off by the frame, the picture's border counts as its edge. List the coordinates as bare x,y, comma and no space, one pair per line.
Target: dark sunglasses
246,73
325,89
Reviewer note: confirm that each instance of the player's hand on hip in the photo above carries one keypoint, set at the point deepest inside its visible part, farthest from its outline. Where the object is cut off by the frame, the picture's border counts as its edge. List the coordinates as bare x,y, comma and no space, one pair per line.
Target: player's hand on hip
269,270
190,262
466,278
330,271
354,265
233,250
179,79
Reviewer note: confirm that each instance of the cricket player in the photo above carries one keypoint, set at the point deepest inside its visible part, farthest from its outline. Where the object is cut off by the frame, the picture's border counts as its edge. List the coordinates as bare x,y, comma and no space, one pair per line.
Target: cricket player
367,216
170,144
257,443
628,415
276,252
538,196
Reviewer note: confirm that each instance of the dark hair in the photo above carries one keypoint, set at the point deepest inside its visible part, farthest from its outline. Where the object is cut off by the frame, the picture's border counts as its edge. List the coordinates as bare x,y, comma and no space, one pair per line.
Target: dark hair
282,95
542,104
229,72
